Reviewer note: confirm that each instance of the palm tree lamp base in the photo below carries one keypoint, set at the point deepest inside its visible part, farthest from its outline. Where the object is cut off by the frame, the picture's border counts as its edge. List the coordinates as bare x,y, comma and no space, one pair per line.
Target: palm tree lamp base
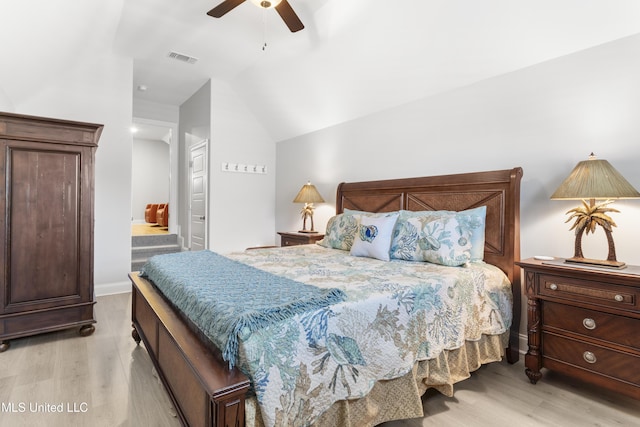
587,217
596,262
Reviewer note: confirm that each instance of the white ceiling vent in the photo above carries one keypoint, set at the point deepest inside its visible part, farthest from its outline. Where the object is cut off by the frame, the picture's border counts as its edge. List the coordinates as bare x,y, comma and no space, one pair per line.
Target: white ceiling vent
182,57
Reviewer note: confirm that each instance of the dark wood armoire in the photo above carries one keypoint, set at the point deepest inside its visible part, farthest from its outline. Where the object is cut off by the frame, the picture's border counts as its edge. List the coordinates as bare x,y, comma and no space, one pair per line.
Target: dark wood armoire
47,208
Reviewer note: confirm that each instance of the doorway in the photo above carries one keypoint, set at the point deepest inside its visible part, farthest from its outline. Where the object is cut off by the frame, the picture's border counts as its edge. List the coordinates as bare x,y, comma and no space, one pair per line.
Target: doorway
154,174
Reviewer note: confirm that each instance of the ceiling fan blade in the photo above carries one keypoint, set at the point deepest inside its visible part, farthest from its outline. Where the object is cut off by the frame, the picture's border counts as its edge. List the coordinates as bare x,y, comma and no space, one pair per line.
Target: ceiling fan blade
289,16
224,7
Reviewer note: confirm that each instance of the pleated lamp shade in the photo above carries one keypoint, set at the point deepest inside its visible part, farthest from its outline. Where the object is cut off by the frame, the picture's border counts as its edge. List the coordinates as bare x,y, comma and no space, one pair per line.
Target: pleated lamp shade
595,179
308,194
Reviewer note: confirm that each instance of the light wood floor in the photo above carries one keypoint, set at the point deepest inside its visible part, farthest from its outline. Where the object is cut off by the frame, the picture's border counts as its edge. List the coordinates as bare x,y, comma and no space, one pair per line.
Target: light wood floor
111,379
106,371
147,229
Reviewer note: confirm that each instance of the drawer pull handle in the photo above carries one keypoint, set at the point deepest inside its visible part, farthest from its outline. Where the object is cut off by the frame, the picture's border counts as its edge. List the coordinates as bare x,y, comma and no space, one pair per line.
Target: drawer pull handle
589,357
553,287
618,298
589,323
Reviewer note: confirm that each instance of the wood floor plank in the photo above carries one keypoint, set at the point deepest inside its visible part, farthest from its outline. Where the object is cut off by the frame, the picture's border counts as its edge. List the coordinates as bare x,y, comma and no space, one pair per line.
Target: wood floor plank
104,379
114,379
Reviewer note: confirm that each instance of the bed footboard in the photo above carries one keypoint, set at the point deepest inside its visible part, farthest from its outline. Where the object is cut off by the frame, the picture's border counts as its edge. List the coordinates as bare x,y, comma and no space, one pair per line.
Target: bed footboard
203,389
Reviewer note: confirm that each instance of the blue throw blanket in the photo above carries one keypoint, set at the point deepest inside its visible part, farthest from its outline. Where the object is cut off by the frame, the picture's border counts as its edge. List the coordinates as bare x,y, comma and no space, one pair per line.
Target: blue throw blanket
227,299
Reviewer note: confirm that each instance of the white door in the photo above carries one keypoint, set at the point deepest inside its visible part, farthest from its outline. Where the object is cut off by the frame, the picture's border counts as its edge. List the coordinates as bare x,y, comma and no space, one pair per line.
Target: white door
198,196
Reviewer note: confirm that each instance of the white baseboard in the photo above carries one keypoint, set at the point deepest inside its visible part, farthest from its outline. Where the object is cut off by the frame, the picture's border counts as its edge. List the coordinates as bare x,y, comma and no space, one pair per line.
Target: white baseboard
524,344
112,288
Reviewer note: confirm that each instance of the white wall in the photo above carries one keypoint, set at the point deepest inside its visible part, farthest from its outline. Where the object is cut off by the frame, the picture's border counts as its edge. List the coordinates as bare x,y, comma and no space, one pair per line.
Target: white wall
194,126
147,110
242,205
150,176
545,118
5,102
98,90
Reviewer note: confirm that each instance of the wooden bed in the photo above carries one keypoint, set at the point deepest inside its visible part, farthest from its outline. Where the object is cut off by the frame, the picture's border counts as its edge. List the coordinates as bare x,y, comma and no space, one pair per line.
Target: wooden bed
206,392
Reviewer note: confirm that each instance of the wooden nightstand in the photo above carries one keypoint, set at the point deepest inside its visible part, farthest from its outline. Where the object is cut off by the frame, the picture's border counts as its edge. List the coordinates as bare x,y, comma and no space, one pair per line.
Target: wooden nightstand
584,322
292,238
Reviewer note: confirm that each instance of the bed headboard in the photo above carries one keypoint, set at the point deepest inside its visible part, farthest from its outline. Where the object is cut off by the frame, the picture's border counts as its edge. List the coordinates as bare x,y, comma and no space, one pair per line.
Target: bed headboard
499,191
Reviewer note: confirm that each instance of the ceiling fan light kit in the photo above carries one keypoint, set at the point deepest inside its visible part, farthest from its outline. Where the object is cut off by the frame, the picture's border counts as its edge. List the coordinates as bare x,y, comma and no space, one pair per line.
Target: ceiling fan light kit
283,8
266,4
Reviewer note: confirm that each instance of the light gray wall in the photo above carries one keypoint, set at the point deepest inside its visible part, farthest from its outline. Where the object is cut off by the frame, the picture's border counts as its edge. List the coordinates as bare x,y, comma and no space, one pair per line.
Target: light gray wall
150,176
5,102
194,126
143,109
545,118
242,205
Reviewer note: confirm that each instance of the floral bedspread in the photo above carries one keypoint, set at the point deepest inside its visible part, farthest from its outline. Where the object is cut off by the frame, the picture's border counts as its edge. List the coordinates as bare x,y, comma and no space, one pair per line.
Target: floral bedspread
395,314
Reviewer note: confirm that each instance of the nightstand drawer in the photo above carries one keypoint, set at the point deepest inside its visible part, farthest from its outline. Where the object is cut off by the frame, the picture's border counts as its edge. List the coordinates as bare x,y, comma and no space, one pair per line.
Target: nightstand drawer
292,238
606,327
600,293
293,241
593,358
289,240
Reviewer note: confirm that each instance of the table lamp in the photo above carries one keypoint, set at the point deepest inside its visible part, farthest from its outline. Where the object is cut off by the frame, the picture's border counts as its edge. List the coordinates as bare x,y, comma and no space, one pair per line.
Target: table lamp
592,180
308,195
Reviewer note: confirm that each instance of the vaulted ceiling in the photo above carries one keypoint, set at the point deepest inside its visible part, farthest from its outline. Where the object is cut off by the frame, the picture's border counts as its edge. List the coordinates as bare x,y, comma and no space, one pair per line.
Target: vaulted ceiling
353,58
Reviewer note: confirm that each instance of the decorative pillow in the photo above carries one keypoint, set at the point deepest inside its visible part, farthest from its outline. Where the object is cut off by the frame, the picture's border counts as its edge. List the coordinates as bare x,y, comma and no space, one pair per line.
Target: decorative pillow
404,242
341,229
373,238
472,219
340,232
440,241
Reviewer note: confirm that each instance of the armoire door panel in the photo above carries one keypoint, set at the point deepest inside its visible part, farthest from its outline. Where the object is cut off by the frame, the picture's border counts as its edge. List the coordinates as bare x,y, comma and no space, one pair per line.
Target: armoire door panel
43,224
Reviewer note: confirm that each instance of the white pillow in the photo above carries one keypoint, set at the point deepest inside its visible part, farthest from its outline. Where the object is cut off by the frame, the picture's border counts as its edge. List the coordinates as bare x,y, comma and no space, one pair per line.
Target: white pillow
373,238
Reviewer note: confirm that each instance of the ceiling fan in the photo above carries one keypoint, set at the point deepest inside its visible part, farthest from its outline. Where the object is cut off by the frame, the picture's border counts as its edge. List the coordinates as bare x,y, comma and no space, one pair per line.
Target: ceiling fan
283,8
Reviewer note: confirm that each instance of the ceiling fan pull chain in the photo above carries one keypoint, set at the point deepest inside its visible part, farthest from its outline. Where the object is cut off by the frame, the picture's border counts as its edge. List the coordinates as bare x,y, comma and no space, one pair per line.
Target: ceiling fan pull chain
264,28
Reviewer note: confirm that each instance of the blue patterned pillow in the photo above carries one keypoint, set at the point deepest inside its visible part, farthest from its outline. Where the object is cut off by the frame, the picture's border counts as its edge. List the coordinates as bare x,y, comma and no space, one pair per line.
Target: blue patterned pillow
340,232
474,220
471,219
440,241
373,238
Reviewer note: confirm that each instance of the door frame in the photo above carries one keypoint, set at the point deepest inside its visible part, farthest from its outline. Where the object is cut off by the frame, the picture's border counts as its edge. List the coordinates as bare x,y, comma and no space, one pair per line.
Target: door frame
203,143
